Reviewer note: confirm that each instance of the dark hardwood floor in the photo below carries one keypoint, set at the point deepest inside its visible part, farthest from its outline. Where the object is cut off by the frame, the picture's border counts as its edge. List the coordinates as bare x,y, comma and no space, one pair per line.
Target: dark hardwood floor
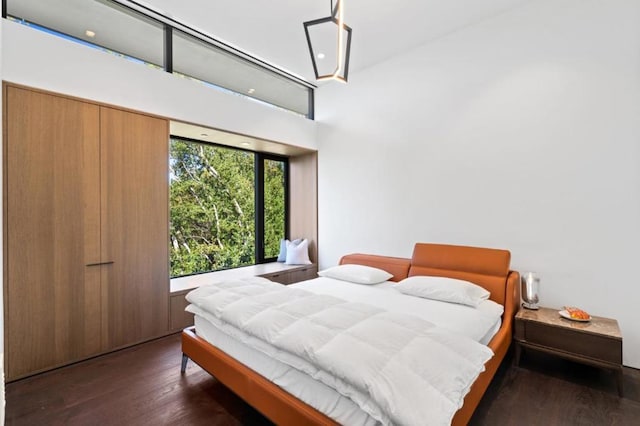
143,386
546,390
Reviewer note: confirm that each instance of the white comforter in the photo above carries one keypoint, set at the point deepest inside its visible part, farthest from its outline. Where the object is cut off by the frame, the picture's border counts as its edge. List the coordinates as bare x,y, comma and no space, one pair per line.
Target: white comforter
480,323
398,368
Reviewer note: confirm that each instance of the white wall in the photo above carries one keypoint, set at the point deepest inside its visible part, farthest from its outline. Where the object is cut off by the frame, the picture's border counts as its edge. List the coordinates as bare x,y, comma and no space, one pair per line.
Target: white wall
2,403
521,132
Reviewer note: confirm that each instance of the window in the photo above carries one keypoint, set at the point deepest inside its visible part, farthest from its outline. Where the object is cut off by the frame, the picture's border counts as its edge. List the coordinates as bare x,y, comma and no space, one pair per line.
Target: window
199,60
106,25
222,201
274,179
138,33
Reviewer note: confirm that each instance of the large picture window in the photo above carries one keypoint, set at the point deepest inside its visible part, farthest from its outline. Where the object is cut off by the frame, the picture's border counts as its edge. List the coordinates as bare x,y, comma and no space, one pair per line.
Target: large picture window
227,207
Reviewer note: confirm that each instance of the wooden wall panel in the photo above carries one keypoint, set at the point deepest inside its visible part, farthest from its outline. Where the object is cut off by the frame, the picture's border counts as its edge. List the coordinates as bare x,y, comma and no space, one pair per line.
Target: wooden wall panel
135,230
303,204
52,213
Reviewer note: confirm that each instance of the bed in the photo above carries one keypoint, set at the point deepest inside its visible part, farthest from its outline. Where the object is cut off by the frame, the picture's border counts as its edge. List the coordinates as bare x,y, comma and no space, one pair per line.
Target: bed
488,268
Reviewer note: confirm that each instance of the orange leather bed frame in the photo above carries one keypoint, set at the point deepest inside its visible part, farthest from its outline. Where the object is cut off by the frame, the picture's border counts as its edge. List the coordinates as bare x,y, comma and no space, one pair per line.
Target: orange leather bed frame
488,268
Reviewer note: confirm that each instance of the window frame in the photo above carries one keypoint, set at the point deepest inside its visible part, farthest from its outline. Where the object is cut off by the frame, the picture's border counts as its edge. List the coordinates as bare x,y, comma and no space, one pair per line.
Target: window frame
259,159
259,203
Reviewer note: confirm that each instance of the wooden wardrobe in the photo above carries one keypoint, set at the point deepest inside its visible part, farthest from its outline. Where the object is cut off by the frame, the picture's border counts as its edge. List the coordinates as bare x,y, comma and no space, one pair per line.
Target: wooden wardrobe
85,229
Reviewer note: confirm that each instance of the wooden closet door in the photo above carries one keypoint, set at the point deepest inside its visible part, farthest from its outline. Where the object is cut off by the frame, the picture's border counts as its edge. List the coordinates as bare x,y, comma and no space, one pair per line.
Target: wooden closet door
52,231
135,226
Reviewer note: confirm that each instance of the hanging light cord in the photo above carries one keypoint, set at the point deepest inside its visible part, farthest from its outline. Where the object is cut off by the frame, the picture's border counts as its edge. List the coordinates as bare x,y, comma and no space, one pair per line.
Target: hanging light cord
337,13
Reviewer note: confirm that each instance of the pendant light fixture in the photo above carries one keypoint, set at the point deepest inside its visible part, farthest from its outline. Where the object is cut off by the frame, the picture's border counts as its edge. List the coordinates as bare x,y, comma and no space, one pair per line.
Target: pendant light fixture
329,41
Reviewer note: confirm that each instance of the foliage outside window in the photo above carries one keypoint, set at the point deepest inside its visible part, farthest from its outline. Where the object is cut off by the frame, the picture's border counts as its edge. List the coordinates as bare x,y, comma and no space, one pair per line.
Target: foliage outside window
274,206
213,207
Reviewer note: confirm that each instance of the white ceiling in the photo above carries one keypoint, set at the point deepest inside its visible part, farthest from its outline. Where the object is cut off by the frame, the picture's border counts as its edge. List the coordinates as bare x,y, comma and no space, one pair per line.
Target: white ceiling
272,30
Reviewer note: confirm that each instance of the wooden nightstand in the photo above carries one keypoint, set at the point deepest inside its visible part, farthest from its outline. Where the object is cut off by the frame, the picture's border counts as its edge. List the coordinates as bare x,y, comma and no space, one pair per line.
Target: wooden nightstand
597,342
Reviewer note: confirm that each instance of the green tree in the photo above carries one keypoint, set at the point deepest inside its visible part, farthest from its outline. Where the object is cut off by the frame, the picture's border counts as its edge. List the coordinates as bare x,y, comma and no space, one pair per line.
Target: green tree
211,207
274,206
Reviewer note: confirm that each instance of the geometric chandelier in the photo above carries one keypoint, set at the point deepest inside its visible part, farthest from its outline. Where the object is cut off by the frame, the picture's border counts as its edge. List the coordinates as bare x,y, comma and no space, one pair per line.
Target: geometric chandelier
329,41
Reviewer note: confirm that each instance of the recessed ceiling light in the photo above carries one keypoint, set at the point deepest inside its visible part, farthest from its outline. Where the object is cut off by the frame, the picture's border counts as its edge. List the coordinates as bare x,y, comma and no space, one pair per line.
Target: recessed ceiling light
90,33
204,134
320,55
251,91
245,143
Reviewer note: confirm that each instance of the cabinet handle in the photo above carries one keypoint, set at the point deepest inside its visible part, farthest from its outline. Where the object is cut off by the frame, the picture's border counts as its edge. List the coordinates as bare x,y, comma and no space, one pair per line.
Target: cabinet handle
100,263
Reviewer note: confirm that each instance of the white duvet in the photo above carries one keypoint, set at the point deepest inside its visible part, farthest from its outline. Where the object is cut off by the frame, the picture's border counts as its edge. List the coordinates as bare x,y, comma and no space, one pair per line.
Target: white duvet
479,323
398,368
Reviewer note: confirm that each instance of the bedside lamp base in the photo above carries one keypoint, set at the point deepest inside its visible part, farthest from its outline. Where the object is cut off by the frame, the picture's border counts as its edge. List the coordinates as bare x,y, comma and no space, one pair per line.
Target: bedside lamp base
531,306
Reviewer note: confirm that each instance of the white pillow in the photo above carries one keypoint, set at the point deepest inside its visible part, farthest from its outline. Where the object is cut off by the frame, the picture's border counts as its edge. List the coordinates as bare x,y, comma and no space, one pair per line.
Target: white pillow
282,256
358,274
297,253
444,289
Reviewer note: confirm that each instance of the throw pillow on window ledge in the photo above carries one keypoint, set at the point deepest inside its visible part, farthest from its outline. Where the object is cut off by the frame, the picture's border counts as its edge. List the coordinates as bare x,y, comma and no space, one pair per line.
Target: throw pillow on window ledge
298,254
282,256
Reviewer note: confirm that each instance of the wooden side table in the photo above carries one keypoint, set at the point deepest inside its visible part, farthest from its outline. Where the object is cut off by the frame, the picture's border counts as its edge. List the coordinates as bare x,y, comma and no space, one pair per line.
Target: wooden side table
597,342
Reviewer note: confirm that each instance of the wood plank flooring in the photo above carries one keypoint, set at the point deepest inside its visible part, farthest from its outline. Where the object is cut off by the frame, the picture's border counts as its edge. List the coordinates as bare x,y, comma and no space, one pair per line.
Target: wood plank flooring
143,386
546,390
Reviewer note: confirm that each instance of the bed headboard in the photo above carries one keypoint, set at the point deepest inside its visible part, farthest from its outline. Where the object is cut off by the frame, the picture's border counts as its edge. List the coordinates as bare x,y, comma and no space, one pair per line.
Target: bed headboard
486,267
397,266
